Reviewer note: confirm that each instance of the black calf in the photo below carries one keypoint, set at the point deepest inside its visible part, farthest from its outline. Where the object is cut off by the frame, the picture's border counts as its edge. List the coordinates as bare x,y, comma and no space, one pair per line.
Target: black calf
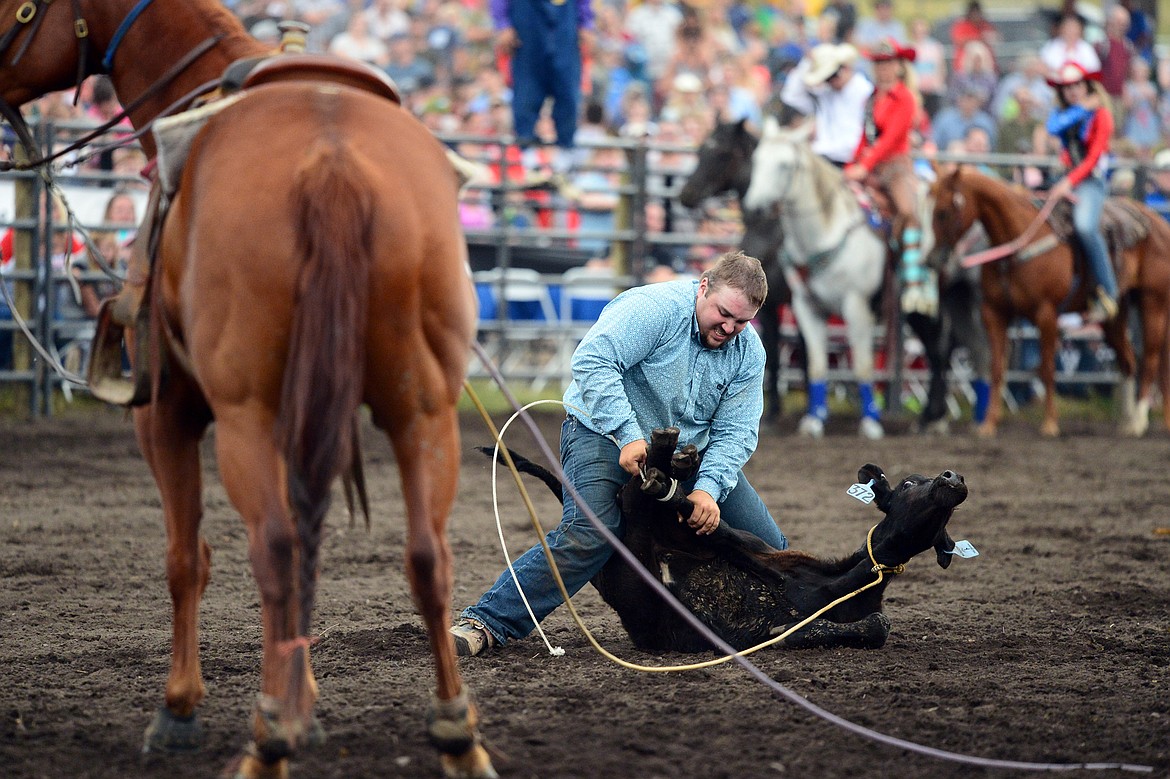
745,590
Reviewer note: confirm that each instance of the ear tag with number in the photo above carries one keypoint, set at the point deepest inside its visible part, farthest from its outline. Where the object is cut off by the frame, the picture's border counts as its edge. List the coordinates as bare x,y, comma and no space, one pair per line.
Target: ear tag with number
863,492
964,549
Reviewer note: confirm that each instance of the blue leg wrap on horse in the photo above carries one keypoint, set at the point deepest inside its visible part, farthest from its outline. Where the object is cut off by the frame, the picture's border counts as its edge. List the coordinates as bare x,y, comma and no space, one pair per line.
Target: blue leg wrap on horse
869,406
912,269
818,400
982,398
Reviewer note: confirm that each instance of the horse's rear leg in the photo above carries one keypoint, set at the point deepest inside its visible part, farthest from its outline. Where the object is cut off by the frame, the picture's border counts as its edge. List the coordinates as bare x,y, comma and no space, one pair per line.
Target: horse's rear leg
254,476
169,431
427,451
1047,333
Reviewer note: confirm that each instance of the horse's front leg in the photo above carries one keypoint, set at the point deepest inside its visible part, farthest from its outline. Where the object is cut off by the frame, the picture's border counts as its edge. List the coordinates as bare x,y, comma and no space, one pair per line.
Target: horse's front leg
1048,332
929,330
769,318
996,324
169,431
427,450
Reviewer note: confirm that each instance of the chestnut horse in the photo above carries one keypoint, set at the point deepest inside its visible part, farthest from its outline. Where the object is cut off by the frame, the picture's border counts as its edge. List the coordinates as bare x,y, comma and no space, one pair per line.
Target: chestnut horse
311,261
1051,282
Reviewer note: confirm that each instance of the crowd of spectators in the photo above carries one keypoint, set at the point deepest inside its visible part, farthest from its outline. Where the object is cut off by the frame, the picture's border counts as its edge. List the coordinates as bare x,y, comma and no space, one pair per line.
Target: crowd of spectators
668,71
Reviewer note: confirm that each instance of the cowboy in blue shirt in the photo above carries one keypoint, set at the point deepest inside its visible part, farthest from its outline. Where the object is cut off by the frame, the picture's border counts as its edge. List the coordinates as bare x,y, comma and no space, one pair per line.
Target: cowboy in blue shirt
678,353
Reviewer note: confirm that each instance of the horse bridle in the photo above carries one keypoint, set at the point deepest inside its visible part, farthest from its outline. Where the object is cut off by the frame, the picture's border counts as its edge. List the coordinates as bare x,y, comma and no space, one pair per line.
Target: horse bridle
29,15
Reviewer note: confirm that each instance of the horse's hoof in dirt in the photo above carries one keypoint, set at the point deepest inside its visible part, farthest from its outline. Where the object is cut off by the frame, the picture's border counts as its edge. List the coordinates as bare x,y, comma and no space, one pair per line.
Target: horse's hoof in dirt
249,765
1138,423
811,427
937,427
1049,429
871,428
986,430
474,765
170,734
451,728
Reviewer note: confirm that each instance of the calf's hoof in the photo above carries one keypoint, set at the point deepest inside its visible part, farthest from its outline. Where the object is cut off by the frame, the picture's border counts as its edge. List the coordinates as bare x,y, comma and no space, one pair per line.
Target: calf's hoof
170,733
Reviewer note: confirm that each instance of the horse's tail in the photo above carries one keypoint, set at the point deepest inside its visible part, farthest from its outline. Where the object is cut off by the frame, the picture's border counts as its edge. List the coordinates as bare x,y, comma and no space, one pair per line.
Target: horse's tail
324,371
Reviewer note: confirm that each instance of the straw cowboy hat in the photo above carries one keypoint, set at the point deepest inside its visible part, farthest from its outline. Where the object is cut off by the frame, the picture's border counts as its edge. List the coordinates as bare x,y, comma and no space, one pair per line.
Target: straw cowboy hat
1071,73
826,59
889,49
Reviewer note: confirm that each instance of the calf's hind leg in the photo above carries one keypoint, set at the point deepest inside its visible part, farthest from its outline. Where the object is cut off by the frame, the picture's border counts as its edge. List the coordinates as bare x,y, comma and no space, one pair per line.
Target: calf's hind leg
869,632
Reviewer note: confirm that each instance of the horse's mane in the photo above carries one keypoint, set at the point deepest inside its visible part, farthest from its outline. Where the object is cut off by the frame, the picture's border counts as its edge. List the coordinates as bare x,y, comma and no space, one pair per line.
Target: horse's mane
826,180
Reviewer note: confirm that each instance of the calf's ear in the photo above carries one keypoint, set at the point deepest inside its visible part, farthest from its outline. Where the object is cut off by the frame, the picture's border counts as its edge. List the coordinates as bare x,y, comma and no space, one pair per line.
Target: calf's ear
882,491
943,546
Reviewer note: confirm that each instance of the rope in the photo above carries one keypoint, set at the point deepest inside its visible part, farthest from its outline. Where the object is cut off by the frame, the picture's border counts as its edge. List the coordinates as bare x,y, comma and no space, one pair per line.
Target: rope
558,651
740,657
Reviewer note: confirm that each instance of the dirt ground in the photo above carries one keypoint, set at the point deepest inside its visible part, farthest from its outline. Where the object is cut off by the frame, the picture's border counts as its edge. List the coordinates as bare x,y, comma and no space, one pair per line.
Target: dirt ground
1052,646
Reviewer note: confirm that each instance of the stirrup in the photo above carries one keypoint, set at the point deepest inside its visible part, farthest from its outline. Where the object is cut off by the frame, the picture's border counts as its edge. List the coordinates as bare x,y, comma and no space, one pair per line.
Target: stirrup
104,375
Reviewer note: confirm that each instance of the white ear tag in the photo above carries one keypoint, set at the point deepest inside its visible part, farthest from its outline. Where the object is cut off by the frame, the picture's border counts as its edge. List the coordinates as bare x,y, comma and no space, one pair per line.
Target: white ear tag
862,492
964,549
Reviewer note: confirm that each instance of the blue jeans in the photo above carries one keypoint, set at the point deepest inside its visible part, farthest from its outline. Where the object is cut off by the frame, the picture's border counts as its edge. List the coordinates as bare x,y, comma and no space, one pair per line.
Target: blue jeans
591,463
1087,223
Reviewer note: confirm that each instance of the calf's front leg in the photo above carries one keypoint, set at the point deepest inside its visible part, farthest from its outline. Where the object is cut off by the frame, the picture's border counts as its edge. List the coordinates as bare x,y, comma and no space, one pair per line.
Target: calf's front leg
869,632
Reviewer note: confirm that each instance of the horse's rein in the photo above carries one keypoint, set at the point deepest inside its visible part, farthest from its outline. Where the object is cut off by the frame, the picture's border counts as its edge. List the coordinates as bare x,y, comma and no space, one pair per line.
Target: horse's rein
1015,245
16,119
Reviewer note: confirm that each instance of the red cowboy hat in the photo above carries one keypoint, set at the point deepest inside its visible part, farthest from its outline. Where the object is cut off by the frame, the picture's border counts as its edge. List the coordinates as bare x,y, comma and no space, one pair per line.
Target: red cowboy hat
890,50
1072,73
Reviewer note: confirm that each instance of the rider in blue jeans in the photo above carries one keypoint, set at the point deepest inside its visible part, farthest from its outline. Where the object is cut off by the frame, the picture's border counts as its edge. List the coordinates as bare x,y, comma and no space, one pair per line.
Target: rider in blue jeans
677,353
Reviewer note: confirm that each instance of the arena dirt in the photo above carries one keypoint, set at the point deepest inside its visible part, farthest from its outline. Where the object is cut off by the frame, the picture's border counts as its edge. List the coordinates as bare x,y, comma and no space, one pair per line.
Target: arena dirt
1053,645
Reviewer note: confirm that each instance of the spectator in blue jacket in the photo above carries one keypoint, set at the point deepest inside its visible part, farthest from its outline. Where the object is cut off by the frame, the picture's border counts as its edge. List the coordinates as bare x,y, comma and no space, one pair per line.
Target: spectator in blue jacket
953,122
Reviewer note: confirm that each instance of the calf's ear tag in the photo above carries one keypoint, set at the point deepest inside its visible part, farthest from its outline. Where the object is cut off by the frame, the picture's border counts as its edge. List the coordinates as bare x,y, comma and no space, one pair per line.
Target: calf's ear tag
964,549
863,492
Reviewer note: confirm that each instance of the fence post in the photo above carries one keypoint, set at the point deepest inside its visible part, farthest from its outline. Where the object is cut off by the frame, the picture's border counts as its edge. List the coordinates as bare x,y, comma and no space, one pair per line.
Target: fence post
23,241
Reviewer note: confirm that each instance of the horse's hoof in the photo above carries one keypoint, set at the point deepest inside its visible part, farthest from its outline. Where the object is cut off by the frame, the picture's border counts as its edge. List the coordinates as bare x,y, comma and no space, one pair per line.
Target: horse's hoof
811,427
872,429
170,734
1050,430
938,427
249,765
475,764
986,430
1138,423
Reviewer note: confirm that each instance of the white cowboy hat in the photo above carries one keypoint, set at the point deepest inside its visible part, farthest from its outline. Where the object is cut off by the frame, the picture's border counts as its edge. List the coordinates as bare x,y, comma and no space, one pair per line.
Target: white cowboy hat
826,59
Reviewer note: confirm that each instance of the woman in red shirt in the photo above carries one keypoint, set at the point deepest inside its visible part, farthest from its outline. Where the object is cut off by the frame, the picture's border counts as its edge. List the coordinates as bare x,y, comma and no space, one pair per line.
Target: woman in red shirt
1083,123
883,162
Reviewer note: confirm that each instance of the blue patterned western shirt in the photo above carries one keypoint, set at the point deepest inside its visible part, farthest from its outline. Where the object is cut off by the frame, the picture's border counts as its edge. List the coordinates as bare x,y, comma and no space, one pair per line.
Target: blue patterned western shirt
643,366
